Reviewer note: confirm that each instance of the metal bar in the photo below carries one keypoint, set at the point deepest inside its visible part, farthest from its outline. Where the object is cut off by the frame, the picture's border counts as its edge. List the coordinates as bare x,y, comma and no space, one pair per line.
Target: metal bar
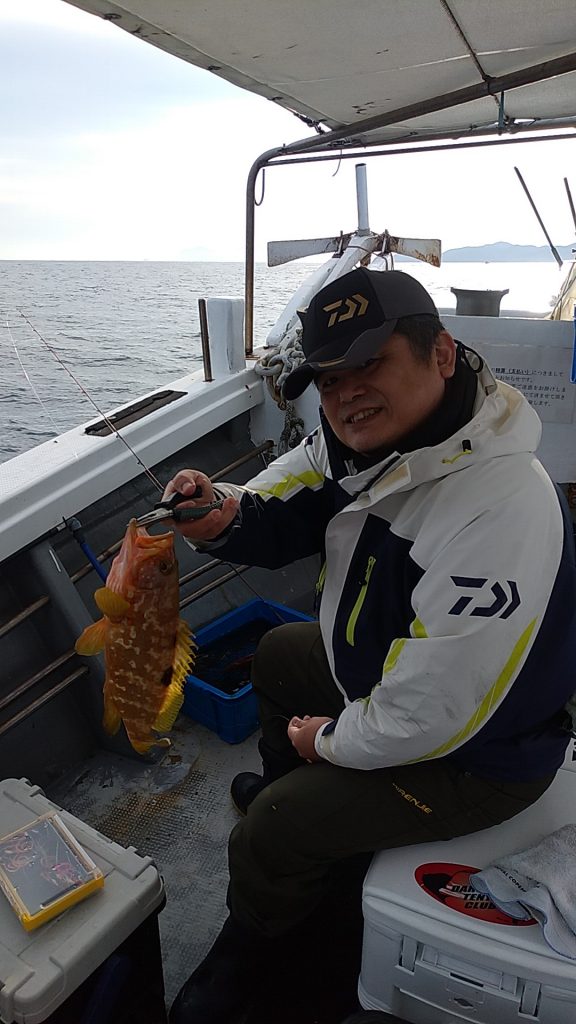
212,586
262,161
362,200
259,450
493,87
205,340
29,683
277,157
189,576
553,249
471,51
42,700
416,148
249,261
25,614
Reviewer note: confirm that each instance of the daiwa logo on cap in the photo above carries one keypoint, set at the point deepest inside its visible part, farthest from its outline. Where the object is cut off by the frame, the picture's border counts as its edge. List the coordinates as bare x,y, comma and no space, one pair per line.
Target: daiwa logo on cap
356,306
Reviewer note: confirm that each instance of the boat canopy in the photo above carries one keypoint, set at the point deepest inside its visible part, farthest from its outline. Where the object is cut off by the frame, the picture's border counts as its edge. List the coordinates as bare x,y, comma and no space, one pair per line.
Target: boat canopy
370,72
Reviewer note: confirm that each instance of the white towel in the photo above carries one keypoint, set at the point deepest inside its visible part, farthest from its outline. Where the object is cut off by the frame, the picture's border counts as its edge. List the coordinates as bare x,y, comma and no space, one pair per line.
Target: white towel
541,883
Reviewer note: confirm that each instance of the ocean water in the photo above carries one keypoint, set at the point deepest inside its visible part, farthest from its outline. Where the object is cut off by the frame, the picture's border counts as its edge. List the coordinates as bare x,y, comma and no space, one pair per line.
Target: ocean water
123,329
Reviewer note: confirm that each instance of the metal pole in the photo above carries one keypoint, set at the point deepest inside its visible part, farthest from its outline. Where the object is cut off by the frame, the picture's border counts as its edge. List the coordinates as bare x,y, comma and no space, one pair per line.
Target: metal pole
42,700
501,83
29,683
259,450
362,200
212,586
416,147
205,340
250,235
23,615
553,250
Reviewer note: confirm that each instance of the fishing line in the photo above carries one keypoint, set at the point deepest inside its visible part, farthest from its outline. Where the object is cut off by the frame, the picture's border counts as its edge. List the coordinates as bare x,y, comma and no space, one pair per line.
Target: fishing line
106,418
31,383
243,580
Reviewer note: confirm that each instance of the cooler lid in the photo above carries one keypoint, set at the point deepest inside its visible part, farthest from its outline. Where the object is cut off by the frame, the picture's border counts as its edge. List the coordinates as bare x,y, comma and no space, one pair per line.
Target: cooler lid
431,879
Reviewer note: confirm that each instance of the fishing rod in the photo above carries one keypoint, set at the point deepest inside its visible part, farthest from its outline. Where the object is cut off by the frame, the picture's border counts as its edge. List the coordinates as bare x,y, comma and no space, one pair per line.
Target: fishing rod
74,524
553,249
111,426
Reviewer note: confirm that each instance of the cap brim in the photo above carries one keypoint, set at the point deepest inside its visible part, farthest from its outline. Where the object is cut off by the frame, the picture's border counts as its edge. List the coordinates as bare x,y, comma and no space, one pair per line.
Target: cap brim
363,348
297,381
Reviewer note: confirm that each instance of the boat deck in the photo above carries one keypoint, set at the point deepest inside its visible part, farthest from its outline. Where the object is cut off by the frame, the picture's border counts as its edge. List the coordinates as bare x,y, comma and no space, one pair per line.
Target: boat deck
178,811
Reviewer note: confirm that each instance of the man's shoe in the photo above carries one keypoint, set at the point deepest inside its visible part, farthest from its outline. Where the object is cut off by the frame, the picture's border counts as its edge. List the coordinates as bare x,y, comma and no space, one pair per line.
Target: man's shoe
245,788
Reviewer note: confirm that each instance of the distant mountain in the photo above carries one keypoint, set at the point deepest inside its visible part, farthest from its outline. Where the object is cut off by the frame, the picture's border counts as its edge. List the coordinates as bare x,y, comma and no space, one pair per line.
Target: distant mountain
505,252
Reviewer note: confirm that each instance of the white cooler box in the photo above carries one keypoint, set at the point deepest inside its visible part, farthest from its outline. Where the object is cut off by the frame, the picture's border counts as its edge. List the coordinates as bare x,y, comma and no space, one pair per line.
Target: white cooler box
570,759
432,964
40,969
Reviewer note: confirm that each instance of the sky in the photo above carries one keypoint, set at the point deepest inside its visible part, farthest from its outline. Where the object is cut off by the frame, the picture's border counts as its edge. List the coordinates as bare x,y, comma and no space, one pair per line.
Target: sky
114,150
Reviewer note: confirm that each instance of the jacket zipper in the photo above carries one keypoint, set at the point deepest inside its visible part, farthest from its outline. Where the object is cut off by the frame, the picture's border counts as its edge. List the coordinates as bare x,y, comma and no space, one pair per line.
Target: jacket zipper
319,587
351,625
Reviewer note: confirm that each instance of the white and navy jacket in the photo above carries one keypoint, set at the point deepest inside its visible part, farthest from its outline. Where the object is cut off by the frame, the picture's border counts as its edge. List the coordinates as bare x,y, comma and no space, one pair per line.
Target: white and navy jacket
448,609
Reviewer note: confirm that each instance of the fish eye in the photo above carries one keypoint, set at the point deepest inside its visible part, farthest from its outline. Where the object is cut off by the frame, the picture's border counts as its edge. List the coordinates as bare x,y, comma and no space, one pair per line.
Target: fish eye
165,567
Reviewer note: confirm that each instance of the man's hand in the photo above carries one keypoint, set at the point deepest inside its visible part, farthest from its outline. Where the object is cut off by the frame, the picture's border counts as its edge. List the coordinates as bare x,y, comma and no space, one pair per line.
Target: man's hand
302,733
187,481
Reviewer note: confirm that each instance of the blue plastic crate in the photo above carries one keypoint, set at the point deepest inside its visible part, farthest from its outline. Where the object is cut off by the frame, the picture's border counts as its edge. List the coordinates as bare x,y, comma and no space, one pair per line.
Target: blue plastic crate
233,716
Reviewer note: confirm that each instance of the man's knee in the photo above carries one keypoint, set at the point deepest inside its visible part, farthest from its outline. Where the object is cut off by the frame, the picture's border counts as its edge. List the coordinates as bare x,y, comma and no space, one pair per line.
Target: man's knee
278,653
266,841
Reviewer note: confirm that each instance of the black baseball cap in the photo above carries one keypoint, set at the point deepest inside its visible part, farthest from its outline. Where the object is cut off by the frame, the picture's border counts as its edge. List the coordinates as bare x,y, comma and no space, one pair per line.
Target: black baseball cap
347,322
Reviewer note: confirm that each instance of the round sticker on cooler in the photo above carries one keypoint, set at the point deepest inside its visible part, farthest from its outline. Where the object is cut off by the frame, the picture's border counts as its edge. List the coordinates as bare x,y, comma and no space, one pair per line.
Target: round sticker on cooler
450,885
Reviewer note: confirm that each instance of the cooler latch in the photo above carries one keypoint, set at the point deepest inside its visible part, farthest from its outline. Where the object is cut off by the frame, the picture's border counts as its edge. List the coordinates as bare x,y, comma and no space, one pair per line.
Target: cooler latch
530,1001
408,953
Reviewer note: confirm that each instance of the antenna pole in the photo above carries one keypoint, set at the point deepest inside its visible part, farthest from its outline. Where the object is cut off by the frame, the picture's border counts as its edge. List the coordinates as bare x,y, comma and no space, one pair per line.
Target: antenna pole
553,250
362,200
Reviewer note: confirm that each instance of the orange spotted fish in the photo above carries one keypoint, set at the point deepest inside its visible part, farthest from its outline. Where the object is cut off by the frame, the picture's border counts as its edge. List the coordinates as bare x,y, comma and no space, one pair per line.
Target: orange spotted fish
148,648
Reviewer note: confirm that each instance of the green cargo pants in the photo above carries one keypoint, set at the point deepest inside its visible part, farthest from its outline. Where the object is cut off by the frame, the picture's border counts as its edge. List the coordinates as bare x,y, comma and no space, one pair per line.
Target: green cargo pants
284,854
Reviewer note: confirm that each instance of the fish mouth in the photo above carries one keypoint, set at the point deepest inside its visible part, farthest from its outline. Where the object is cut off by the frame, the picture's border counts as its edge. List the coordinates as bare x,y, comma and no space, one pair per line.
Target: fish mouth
138,539
139,549
139,536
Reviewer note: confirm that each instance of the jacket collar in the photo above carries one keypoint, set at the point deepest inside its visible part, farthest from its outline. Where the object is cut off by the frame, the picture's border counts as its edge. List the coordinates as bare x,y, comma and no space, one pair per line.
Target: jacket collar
502,423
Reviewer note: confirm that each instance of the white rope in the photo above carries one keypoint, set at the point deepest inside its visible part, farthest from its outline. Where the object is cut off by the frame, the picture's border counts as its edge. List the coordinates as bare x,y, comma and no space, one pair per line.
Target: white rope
276,365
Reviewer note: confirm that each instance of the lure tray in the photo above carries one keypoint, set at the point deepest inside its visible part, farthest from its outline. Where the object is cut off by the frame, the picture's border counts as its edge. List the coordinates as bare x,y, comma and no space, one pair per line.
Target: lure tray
220,696
44,870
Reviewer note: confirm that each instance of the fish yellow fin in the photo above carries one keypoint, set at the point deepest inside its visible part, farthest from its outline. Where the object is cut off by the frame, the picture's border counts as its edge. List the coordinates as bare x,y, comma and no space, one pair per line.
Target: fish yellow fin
111,721
92,640
110,603
181,665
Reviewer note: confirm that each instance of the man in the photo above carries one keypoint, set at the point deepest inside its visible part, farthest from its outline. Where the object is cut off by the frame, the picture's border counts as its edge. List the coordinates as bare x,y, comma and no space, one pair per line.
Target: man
428,701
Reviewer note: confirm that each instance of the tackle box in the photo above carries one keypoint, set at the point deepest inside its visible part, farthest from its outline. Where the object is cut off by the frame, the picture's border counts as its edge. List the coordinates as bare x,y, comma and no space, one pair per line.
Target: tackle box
221,696
437,952
99,962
